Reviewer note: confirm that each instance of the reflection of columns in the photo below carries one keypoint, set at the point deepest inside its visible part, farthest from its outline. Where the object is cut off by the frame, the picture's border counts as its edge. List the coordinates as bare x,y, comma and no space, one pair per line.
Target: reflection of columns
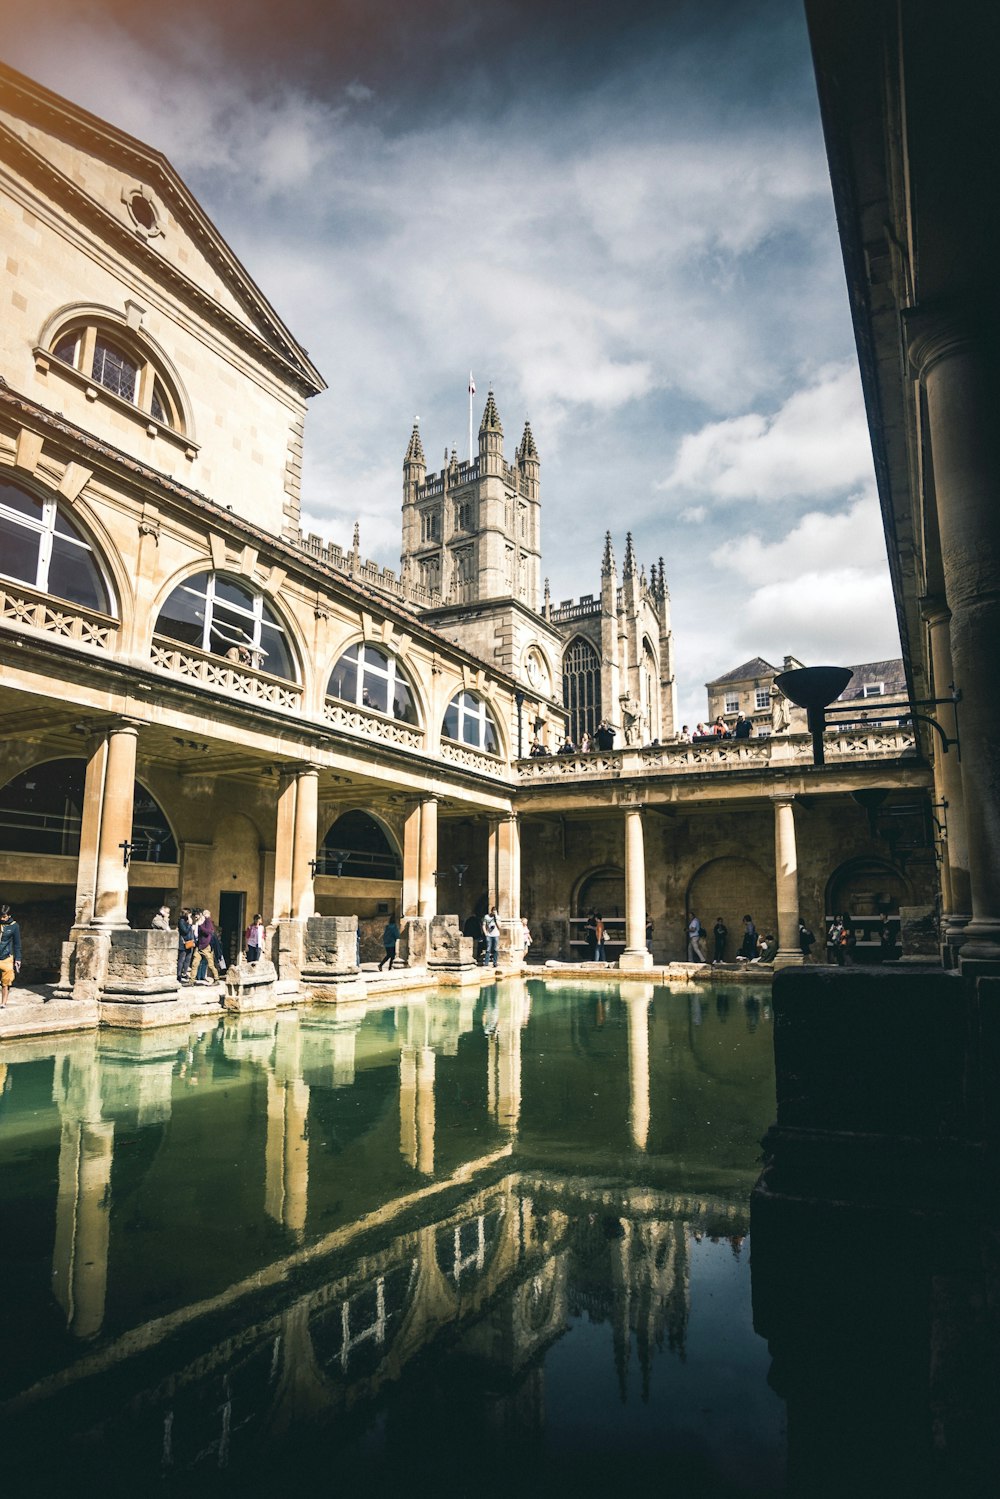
956,372
408,1105
428,856
90,829
637,998
503,1055
284,844
425,1111
786,876
411,860
286,1153
306,838
83,1202
948,780
416,1104
508,867
636,954
111,895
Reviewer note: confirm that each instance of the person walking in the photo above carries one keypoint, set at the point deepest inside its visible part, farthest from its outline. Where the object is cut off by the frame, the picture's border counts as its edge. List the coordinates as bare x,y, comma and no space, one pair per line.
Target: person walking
806,940
748,947
10,952
390,936
185,944
720,932
696,944
491,933
204,950
254,938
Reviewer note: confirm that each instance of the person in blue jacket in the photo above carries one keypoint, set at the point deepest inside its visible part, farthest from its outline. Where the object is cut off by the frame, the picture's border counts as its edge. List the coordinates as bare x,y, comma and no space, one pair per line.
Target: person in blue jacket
10,951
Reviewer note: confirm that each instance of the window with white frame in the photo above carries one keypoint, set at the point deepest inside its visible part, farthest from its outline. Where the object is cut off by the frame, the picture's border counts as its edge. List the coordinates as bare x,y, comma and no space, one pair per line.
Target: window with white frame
119,364
873,689
761,699
468,721
214,612
370,678
41,547
732,702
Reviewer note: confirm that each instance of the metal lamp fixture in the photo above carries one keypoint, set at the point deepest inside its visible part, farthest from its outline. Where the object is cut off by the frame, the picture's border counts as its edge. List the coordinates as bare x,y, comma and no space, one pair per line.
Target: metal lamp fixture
460,872
814,688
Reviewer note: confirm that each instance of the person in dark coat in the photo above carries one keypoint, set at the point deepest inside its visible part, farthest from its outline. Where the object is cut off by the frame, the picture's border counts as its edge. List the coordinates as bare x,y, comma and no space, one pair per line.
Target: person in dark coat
390,936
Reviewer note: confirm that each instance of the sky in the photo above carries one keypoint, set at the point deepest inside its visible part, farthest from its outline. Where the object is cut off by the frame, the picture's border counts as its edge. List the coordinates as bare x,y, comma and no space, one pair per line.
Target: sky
617,215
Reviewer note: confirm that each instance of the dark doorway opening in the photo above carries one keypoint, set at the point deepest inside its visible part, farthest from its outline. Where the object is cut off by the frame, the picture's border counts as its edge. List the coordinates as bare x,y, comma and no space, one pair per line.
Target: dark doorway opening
232,921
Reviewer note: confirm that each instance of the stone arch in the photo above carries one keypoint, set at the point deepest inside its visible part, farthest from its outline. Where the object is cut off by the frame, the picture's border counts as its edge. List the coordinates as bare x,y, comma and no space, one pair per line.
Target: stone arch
601,889
866,886
298,651
731,886
371,844
409,674
64,782
81,516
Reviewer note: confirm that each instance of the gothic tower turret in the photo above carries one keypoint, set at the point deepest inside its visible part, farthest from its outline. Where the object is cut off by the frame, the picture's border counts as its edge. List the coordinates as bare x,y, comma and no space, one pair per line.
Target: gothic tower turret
414,474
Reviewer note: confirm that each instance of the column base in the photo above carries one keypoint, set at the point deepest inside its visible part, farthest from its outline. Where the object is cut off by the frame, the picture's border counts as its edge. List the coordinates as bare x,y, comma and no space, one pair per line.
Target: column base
635,959
788,957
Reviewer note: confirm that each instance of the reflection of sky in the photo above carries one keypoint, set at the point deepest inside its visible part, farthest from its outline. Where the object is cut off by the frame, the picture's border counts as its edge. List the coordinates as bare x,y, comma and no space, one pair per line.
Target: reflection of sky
710,1416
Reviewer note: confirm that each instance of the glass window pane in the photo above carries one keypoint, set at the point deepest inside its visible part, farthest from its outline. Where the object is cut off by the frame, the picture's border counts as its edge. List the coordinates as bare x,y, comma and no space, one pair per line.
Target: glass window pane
229,629
403,706
19,551
450,726
66,347
470,702
73,575
114,370
18,500
471,730
375,657
230,592
375,692
278,660
344,678
182,616
490,741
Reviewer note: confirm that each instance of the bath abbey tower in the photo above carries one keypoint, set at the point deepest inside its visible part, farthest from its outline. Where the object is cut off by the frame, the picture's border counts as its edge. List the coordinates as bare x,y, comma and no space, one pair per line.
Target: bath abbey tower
472,540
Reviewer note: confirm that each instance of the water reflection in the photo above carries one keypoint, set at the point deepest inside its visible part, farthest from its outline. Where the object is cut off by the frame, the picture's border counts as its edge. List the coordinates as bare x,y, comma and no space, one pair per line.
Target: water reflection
357,1219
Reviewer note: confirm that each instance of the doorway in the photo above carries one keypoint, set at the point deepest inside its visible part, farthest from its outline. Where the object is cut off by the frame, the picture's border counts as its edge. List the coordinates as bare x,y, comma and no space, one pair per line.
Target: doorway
232,922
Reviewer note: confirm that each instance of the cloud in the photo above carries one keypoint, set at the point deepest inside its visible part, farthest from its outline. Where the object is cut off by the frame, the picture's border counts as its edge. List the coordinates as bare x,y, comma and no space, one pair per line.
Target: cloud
816,443
693,515
850,534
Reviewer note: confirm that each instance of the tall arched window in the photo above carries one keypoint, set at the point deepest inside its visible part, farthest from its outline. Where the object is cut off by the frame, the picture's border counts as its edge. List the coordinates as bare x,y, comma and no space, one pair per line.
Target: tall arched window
41,810
118,361
581,688
468,721
370,678
215,612
650,690
40,546
357,847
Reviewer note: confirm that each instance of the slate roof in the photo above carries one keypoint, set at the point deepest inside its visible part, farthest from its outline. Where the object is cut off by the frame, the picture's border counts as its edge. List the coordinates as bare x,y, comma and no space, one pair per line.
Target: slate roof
890,673
756,667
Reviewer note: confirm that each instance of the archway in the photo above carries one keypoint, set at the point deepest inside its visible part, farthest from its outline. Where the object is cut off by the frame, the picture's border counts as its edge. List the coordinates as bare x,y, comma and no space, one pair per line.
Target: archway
731,887
368,851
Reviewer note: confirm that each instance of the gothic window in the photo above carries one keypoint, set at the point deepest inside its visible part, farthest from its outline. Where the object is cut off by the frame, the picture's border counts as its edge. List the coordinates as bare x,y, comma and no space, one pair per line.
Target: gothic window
430,573
464,574
370,678
649,686
463,515
581,688
430,524
121,365
467,720
216,613
41,810
41,547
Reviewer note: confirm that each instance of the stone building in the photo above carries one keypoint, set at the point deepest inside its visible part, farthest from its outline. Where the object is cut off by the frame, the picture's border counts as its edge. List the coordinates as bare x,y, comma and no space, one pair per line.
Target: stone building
749,689
203,706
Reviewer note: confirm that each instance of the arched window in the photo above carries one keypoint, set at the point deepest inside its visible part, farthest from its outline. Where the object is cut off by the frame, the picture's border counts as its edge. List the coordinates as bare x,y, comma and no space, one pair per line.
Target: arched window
370,678
115,359
356,847
214,612
41,809
650,685
40,546
582,688
468,720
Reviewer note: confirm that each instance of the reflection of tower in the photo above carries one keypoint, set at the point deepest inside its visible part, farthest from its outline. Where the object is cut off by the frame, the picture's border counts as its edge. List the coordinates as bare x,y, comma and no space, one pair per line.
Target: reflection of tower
637,999
416,1107
286,1150
83,1203
651,1286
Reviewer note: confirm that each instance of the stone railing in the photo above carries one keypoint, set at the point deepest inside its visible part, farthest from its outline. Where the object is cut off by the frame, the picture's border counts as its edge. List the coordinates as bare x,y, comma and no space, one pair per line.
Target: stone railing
26,607
186,664
372,725
472,759
888,743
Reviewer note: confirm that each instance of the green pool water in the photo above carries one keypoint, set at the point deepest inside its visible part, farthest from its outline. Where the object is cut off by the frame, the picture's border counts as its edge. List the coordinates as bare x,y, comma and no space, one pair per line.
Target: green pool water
464,1244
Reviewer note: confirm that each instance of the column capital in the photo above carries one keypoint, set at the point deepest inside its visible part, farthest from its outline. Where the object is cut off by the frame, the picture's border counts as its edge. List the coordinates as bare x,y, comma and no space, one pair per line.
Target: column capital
936,333
933,609
783,798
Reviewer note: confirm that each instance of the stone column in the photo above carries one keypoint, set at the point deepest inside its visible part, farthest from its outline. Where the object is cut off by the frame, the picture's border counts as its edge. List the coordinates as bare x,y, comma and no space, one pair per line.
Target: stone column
111,896
636,954
90,829
508,845
492,840
428,856
958,374
786,878
306,837
948,788
411,860
284,845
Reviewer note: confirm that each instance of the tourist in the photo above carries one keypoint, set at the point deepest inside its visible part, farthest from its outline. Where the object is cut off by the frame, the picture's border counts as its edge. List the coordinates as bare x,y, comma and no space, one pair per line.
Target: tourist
767,950
701,732
204,950
748,947
390,936
161,921
599,937
567,747
649,932
537,749
10,952
586,745
590,934
806,940
605,735
491,934
525,936
744,727
696,942
719,728
254,938
685,734
719,934
185,943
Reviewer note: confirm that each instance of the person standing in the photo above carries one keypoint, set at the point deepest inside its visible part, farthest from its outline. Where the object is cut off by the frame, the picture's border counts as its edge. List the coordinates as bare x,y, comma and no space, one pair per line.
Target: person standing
806,940
205,950
254,938
649,933
390,936
748,947
10,952
696,944
525,936
744,727
185,944
720,932
491,932
161,921
599,938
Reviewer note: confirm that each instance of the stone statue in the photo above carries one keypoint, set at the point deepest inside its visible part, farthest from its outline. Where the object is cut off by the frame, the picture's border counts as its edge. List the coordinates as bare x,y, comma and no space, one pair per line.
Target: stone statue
780,718
630,719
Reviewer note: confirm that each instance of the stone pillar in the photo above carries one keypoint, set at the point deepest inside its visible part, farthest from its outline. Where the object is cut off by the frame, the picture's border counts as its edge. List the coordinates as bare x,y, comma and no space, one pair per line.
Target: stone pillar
411,860
786,878
111,896
959,378
637,998
284,844
306,838
636,954
90,829
948,788
508,843
492,841
428,857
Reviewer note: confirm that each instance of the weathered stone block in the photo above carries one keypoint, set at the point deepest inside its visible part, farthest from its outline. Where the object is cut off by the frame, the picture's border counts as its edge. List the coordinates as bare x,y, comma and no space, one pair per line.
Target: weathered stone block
330,945
142,963
918,932
447,948
413,943
251,986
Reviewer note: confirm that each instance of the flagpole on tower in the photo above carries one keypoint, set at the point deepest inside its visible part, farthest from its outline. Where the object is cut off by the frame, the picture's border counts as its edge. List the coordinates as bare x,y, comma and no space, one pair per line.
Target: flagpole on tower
472,391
